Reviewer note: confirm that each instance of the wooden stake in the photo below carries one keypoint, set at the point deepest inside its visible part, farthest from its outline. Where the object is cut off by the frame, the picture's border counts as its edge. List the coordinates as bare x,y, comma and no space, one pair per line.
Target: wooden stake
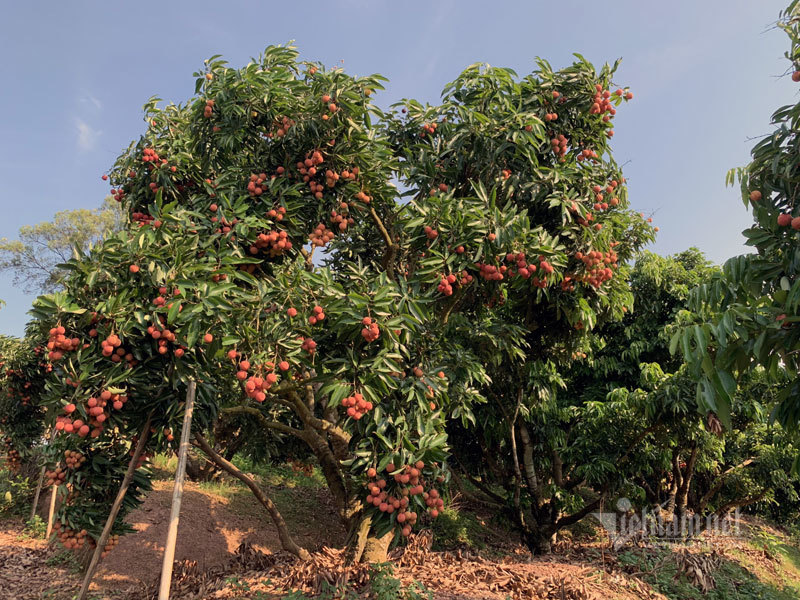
52,512
40,484
177,496
126,481
38,492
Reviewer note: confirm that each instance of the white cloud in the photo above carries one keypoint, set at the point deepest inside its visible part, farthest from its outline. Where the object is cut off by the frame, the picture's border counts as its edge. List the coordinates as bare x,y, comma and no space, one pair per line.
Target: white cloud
89,99
87,137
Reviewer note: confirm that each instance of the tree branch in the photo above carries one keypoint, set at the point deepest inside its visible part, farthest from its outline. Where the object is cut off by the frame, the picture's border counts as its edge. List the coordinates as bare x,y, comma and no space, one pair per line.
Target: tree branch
263,421
391,247
287,543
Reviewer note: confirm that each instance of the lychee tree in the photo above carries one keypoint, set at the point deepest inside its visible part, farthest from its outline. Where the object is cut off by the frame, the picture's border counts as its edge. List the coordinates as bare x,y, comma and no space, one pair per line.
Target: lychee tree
536,147
228,198
269,257
22,372
747,316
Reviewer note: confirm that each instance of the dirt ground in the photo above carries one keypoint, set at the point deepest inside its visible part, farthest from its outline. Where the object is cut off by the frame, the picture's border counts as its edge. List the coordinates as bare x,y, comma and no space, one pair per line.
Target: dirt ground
227,549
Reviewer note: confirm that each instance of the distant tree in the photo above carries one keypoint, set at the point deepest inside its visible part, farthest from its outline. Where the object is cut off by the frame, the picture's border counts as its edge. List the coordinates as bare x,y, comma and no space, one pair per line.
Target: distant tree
34,258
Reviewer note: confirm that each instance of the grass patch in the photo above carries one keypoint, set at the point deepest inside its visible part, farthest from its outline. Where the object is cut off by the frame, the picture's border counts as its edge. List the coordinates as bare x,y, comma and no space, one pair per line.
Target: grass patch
223,488
739,578
282,475
65,560
164,465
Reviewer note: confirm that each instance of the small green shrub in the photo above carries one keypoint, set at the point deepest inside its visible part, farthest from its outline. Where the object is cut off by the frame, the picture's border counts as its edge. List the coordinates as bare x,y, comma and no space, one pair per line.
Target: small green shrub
36,527
15,493
454,528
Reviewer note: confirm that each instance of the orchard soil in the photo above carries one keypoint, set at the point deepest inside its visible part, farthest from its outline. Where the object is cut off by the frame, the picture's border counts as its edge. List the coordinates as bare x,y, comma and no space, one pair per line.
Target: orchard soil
226,549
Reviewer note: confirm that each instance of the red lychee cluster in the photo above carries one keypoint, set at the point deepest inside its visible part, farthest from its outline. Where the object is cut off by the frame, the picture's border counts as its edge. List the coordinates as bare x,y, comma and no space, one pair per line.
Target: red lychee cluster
58,343
491,272
785,219
208,110
356,406
277,213
428,129
587,154
371,332
142,218
318,314
118,194
282,127
308,345
255,185
150,156
255,386
112,348
363,197
410,483
164,336
430,232
599,266
274,243
559,144
341,220
446,284
308,167
321,236
602,103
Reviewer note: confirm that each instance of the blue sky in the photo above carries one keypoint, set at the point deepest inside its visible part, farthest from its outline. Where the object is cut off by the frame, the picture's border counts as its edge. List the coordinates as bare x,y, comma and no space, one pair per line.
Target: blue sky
705,77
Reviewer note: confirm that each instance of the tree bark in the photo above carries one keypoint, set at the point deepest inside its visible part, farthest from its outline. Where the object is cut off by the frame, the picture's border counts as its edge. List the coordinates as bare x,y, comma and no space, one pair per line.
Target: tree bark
364,546
287,543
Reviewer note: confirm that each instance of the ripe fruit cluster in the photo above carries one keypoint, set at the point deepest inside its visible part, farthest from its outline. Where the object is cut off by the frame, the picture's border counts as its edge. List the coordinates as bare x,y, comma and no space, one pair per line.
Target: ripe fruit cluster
428,129
275,243
95,408
282,126
112,348
785,219
151,156
446,284
371,332
142,218
598,265
308,345
255,386
430,232
409,483
55,477
73,459
255,185
356,406
559,144
208,110
277,213
363,197
320,236
75,540
317,315
602,103
58,343
341,220
587,154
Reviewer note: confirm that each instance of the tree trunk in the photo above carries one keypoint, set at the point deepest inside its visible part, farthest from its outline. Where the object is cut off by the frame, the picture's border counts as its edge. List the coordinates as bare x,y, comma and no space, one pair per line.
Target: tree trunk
377,549
540,541
364,546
